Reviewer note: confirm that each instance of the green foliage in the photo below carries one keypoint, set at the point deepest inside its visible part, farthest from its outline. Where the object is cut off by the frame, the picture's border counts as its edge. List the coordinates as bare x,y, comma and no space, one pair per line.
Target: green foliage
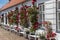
43,36
32,12
32,30
23,19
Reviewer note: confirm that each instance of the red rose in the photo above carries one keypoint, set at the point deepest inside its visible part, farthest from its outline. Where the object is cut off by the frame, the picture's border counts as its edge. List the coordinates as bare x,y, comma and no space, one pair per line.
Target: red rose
17,28
35,27
53,34
44,22
36,23
26,6
34,0
17,17
50,35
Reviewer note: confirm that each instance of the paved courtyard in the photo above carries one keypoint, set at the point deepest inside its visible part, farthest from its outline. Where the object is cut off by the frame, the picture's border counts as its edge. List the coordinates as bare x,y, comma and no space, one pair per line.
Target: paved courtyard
6,35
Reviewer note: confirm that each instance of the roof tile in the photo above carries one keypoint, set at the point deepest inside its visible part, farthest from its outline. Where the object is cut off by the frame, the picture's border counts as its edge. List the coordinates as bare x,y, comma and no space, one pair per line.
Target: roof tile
11,3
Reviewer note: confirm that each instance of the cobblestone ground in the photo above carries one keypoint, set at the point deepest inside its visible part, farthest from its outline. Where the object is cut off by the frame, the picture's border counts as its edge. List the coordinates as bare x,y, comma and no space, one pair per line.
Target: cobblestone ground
6,35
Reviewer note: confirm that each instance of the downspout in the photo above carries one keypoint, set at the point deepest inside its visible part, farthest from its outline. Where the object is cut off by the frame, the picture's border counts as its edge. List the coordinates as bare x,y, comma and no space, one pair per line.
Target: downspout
56,16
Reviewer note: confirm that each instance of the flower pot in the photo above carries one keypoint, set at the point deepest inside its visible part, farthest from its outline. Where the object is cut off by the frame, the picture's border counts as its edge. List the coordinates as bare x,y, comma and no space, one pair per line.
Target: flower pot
27,33
26,36
43,39
32,33
53,39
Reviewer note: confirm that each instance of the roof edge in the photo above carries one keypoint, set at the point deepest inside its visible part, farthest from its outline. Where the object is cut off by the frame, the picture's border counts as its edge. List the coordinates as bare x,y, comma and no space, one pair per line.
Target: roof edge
12,6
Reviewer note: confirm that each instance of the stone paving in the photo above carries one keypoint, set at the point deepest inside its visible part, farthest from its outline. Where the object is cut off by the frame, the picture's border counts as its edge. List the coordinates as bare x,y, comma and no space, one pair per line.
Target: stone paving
7,35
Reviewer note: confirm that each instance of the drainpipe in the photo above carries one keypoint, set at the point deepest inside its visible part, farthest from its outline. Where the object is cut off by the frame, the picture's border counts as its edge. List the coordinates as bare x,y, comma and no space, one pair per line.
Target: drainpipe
56,15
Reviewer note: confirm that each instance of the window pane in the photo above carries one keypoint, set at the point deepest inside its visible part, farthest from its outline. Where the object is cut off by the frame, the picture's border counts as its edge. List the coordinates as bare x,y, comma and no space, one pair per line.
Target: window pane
59,25
2,18
43,8
6,17
40,8
43,17
59,5
59,16
40,17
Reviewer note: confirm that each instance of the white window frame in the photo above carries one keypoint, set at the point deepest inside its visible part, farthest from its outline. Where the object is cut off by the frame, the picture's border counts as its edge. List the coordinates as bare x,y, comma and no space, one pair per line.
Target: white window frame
58,11
58,27
42,12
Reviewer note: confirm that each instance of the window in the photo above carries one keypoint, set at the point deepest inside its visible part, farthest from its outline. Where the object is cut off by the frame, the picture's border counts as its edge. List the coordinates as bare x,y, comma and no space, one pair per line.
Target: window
6,17
2,19
59,5
41,6
58,21
58,16
41,12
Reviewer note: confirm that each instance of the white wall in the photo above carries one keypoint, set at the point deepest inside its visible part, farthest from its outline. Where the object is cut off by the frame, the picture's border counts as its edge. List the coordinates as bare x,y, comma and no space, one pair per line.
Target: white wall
29,3
50,12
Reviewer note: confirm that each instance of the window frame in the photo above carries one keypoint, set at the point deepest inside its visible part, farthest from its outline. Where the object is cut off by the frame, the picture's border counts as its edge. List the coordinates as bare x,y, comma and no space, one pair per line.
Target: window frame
2,19
57,16
58,27
42,13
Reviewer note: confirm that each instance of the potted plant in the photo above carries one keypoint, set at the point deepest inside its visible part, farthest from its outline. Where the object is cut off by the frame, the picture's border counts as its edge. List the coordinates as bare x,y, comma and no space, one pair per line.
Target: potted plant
32,31
27,31
42,36
32,14
50,34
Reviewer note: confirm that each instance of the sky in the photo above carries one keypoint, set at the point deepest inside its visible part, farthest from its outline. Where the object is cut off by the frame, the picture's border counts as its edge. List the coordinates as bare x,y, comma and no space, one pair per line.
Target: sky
3,2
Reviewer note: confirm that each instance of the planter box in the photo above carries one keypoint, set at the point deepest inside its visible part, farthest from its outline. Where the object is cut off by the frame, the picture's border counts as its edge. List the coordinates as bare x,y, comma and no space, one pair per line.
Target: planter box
33,38
26,35
21,33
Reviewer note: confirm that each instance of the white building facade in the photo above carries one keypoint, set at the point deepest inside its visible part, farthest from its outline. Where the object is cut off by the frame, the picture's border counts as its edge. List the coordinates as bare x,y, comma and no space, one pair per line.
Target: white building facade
49,10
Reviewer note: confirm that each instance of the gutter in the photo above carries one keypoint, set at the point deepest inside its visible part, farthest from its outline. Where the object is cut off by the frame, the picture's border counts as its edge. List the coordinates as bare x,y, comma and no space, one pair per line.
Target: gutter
13,6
